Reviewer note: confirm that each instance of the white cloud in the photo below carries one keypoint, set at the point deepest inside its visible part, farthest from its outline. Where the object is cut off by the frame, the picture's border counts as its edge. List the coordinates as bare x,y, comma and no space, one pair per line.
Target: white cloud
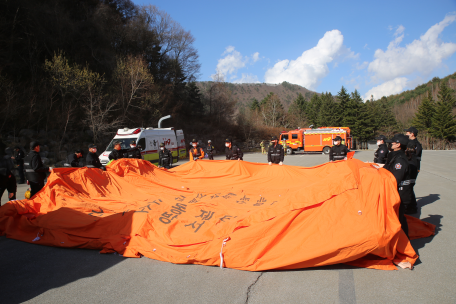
247,78
256,57
400,29
308,69
361,66
394,86
420,56
231,62
228,66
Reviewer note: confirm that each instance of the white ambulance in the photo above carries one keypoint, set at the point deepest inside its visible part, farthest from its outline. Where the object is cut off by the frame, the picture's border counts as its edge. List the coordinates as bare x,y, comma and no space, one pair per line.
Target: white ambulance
149,139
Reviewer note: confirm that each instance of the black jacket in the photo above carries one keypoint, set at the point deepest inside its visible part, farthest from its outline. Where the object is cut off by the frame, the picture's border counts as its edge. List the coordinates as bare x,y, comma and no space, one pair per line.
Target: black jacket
165,158
398,165
7,179
117,154
275,154
34,168
418,150
338,152
233,153
210,149
73,160
133,153
381,154
19,157
92,160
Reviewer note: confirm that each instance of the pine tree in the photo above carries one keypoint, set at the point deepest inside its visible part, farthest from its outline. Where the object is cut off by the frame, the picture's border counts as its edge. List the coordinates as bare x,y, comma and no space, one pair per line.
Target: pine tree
254,105
426,110
313,110
443,121
327,115
343,97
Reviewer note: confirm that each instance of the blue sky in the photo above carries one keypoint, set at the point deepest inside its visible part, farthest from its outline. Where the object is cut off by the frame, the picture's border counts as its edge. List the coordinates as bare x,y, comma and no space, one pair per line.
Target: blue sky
379,48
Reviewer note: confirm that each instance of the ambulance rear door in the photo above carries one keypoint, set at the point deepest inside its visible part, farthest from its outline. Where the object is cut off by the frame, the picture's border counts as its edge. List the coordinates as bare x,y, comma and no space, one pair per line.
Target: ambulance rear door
182,152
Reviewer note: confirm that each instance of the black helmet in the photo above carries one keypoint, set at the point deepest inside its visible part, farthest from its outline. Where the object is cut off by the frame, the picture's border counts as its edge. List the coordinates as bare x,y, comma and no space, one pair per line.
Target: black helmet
381,137
34,144
337,138
228,140
162,144
133,142
412,130
92,146
194,140
273,138
401,139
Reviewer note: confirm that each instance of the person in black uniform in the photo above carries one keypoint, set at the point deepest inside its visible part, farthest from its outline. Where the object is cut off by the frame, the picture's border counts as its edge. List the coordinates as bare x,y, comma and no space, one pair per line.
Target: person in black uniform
338,151
210,150
73,159
19,158
118,152
34,169
134,151
410,206
397,163
7,178
232,151
412,133
382,151
275,152
195,152
165,157
92,160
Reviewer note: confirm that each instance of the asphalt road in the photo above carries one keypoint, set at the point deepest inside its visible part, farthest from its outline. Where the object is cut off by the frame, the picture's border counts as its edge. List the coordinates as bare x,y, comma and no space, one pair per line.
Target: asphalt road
38,274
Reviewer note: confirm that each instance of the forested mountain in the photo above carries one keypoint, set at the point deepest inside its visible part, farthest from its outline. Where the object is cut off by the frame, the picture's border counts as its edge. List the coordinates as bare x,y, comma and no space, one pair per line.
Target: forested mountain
246,92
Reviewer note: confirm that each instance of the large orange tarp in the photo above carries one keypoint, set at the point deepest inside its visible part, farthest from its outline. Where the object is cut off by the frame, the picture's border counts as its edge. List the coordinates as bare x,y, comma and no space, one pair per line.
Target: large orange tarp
268,217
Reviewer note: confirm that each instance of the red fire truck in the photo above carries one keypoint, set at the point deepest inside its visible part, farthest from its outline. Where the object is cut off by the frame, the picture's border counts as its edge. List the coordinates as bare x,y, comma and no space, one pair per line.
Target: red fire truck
315,140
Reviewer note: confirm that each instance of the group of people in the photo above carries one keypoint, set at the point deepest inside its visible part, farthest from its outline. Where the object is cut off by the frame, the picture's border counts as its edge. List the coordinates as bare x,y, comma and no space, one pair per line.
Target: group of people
402,157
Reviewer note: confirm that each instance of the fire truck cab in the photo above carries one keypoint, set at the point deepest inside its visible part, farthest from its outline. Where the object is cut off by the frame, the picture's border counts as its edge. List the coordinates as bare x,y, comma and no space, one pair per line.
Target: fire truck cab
315,140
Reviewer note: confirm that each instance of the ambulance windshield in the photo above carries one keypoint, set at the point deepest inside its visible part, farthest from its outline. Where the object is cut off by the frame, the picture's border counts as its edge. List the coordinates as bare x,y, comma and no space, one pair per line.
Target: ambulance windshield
124,143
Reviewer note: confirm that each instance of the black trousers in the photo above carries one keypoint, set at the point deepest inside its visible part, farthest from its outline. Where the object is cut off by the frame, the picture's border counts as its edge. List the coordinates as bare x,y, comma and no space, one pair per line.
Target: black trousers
210,156
402,219
408,198
20,168
2,190
35,187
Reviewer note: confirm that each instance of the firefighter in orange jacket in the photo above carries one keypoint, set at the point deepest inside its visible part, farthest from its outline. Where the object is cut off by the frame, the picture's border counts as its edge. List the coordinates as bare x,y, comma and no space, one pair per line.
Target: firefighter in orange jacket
196,152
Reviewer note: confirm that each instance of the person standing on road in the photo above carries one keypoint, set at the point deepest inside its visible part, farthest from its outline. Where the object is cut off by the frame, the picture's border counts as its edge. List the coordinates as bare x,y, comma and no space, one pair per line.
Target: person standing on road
263,150
412,133
35,170
118,152
381,154
92,160
397,163
210,149
165,157
275,152
285,147
410,205
134,151
7,178
232,151
195,152
19,158
338,151
73,159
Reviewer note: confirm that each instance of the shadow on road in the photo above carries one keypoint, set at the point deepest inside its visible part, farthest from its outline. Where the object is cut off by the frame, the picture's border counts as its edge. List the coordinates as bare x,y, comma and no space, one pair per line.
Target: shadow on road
423,201
28,269
420,243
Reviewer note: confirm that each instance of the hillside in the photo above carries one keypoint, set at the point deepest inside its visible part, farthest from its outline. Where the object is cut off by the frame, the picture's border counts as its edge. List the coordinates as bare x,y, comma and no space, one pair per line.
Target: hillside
244,92
406,103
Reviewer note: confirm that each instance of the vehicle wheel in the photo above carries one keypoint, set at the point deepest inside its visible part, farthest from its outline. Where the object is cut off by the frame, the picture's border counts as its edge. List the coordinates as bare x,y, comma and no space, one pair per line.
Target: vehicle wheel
326,150
289,151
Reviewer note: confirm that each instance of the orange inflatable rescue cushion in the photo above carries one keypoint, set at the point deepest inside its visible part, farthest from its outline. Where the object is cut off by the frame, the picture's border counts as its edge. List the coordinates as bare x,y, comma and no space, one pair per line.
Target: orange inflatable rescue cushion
233,214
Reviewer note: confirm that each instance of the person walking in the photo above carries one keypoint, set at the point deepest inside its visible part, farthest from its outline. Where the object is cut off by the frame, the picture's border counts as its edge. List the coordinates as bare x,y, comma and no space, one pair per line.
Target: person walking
19,158
7,178
210,150
35,170
263,149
